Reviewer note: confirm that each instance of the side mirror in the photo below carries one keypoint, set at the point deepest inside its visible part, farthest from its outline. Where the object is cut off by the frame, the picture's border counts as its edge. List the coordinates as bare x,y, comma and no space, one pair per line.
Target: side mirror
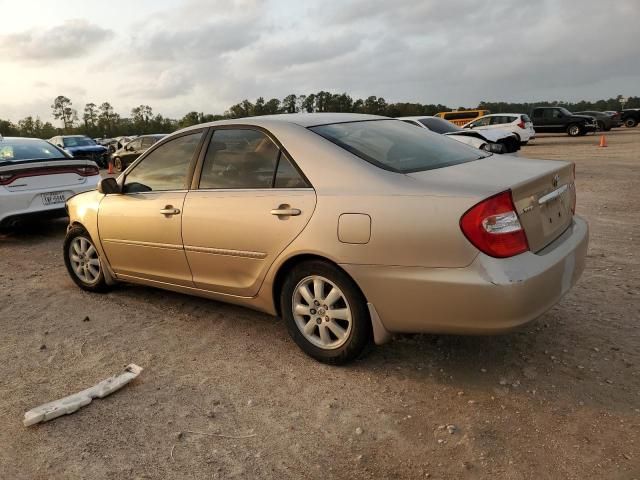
108,186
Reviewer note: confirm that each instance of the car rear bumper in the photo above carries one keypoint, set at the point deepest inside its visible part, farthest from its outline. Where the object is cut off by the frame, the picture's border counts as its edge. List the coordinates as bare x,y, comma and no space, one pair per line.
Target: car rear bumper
24,204
489,296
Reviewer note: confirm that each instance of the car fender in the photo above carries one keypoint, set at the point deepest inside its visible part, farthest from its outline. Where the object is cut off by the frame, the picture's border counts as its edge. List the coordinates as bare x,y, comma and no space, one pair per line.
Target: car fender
83,210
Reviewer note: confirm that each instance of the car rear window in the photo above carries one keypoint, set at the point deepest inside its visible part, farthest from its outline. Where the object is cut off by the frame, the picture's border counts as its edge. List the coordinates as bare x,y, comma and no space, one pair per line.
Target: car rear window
525,118
396,146
17,149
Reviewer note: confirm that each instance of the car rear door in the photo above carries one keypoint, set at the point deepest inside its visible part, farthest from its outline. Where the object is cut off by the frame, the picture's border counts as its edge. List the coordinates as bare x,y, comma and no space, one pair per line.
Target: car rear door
141,229
248,202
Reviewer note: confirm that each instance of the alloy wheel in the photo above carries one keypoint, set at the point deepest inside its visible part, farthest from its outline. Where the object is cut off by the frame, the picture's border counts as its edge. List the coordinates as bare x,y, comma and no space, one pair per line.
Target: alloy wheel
84,260
321,312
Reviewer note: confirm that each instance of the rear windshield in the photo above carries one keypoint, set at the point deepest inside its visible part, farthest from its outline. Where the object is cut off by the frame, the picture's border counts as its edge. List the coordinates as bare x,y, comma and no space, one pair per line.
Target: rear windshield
397,146
16,149
439,125
78,142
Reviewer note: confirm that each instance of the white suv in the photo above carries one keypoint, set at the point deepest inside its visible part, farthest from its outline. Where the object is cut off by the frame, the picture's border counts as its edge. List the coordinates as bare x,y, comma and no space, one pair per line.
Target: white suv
517,123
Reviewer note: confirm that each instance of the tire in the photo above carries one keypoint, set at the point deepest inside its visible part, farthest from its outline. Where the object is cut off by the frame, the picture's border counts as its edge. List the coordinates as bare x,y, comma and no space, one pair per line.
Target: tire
79,260
574,130
630,122
117,164
312,326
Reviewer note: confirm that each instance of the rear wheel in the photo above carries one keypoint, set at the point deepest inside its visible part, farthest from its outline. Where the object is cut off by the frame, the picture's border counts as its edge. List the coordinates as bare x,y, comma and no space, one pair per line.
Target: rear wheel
83,262
325,312
574,130
117,164
630,122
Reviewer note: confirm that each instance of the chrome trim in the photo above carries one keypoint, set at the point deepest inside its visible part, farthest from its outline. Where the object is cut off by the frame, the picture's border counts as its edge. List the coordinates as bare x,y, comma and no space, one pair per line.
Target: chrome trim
138,243
226,252
555,194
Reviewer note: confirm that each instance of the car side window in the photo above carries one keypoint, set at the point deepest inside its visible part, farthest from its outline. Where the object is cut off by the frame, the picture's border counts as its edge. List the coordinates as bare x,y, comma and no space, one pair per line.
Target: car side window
147,142
239,158
135,145
287,176
482,122
165,168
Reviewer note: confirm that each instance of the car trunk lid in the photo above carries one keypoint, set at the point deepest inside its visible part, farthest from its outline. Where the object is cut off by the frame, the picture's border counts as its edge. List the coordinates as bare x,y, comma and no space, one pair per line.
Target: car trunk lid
543,191
43,174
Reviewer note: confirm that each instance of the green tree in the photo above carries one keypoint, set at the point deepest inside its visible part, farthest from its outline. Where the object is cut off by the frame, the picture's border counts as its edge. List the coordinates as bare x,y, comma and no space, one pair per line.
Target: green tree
90,117
62,110
289,104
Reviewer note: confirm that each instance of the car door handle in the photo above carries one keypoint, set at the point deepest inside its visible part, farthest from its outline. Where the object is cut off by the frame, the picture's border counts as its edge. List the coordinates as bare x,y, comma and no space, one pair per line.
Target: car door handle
169,210
286,212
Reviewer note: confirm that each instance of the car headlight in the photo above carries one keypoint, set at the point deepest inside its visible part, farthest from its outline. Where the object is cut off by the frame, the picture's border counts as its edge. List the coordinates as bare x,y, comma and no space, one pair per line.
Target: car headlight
493,147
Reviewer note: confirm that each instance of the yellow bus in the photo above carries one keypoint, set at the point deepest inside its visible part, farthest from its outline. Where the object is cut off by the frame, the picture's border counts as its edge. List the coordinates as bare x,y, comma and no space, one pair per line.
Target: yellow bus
460,117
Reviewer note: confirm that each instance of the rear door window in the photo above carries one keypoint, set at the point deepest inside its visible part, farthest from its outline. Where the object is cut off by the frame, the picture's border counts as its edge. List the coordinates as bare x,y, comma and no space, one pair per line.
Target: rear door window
239,158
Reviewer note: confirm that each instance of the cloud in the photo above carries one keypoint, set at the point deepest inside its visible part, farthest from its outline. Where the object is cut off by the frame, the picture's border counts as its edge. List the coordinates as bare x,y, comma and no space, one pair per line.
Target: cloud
205,55
71,39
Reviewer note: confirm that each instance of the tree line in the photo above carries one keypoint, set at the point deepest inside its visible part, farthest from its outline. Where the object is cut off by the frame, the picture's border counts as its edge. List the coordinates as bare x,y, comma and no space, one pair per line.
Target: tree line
101,120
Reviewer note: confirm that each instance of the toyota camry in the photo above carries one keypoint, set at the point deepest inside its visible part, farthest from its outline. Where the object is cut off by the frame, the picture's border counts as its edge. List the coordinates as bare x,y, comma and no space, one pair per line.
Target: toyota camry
350,227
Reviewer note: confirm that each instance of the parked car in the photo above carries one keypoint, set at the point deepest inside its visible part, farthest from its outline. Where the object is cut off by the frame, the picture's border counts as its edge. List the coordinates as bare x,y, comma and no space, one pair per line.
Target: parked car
81,146
604,121
492,141
132,150
117,143
630,117
518,124
559,119
350,227
36,178
460,117
617,119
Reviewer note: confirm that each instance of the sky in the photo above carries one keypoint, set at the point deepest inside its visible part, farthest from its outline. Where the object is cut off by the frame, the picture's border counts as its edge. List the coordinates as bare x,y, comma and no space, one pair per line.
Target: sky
205,55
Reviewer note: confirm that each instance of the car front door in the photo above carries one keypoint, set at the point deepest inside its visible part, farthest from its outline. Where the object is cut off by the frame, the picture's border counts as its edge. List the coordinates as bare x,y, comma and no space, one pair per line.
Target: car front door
140,229
248,202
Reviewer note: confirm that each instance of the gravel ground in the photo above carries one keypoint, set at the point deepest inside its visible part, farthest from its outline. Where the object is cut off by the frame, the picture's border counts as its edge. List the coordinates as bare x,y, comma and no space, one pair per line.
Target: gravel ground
559,399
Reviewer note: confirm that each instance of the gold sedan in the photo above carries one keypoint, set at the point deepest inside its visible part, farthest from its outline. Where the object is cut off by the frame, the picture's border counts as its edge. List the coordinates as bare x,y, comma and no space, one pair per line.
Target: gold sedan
350,227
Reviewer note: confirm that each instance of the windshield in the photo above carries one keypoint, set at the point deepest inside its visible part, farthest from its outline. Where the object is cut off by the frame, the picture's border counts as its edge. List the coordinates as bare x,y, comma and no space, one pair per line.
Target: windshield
78,142
439,125
565,111
397,146
14,149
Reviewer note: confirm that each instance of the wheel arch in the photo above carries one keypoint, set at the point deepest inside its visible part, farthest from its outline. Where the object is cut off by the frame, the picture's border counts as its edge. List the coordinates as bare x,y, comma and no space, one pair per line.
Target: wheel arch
289,264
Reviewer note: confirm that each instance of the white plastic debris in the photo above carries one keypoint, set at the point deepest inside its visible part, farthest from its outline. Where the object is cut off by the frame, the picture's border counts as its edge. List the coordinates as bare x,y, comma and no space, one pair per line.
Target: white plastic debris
74,402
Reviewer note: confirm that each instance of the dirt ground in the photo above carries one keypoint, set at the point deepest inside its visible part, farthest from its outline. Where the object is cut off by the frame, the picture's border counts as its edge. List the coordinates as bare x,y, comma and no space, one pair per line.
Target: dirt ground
560,399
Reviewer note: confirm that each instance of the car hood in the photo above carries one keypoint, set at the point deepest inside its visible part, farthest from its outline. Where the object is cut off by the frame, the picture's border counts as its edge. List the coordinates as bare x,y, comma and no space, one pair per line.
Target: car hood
588,118
486,135
88,148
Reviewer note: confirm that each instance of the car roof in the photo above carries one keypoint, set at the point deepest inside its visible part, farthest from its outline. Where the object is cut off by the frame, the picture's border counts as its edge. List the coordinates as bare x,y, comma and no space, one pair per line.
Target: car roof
20,139
301,119
73,136
416,117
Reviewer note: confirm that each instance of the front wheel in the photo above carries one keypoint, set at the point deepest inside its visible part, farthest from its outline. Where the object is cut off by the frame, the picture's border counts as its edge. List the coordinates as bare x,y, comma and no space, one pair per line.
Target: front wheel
630,122
574,130
83,262
117,164
325,312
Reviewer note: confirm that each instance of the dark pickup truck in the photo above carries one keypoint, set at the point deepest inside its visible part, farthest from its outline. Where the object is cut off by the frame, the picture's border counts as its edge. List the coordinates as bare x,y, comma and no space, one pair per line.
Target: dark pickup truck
559,119
631,117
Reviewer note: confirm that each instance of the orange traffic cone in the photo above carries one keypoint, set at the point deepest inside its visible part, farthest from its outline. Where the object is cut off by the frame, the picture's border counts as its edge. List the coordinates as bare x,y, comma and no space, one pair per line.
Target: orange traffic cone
603,141
111,163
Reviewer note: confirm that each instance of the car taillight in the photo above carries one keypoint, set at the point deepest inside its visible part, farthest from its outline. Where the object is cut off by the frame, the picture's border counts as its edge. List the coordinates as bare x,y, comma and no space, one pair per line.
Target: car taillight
493,227
88,171
6,178
521,124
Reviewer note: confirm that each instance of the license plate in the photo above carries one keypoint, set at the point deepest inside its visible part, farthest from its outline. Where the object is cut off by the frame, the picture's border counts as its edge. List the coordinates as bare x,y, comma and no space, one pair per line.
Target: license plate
53,198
